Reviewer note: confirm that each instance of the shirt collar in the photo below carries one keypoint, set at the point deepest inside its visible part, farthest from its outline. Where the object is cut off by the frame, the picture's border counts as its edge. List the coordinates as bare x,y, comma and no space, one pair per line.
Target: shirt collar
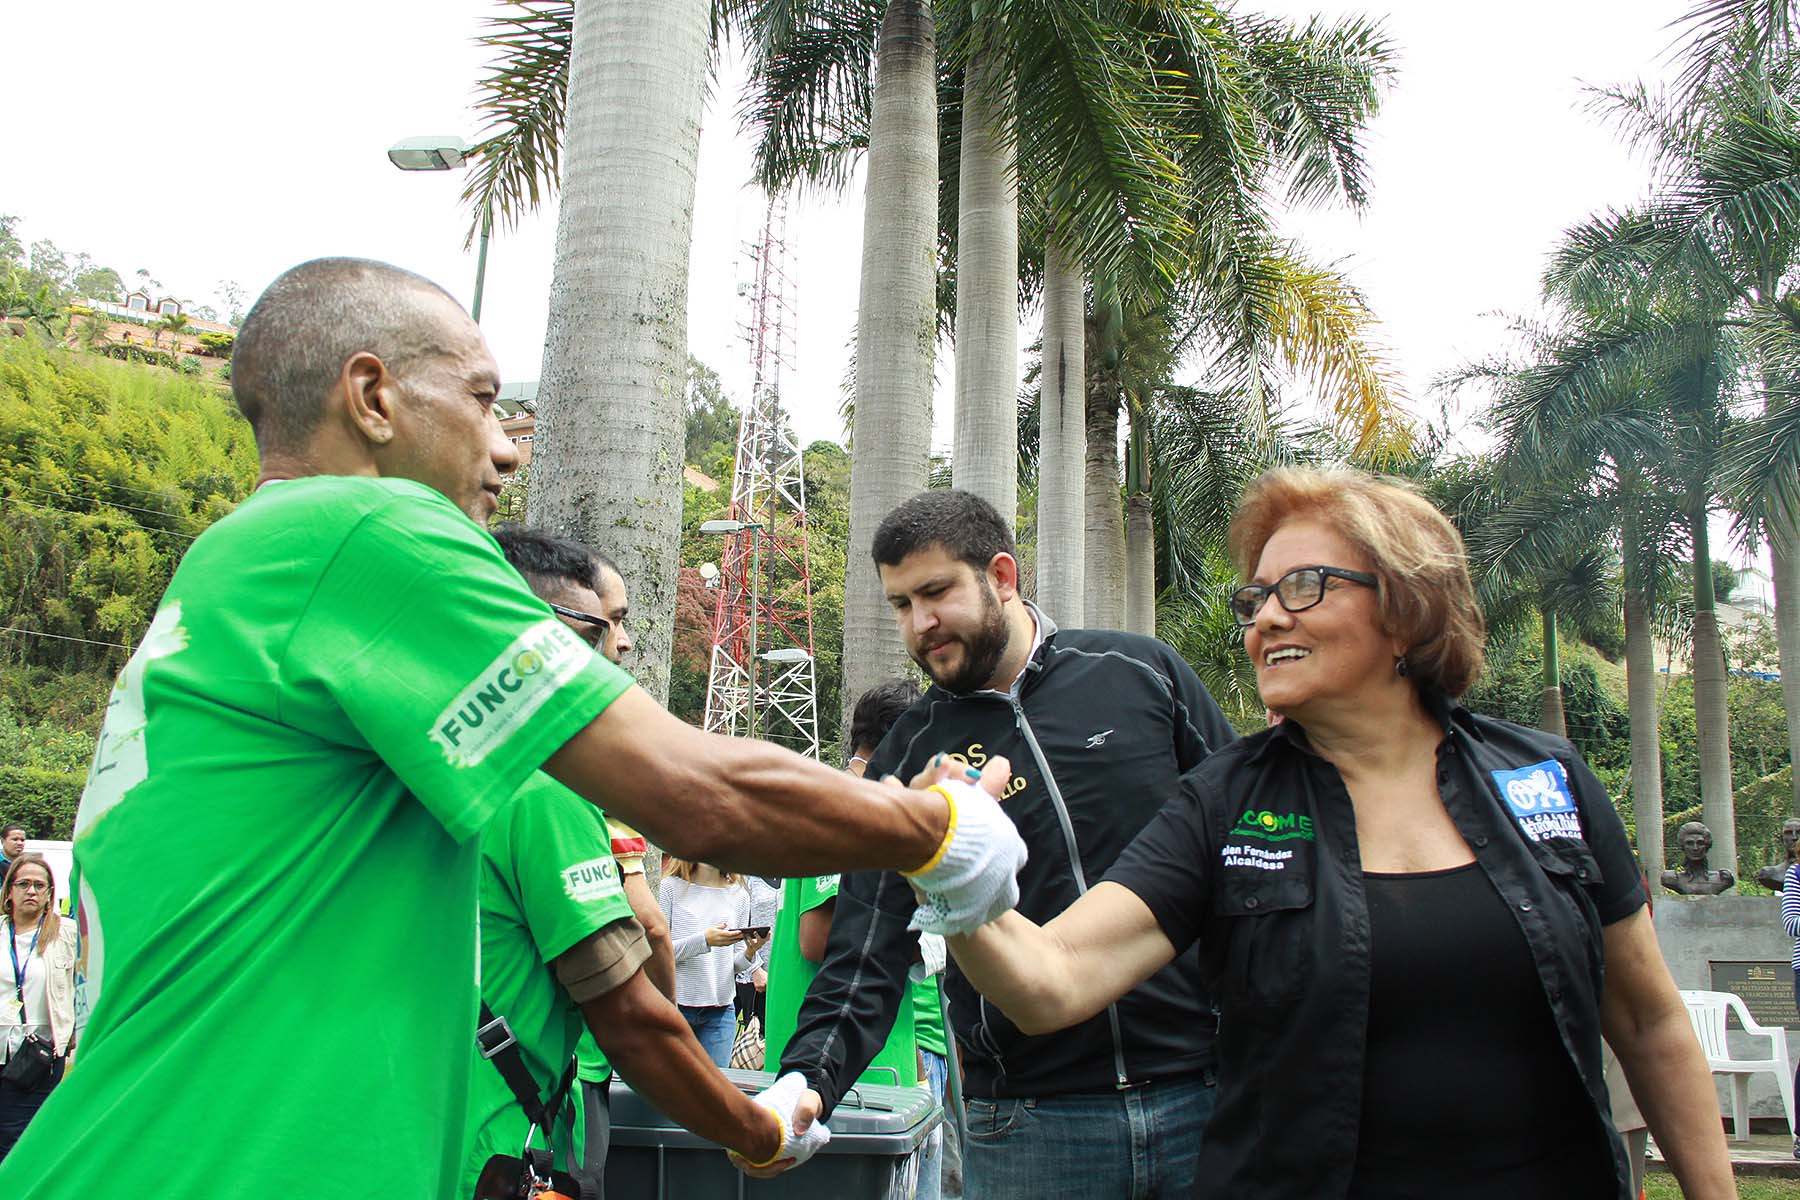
1041,626
1444,709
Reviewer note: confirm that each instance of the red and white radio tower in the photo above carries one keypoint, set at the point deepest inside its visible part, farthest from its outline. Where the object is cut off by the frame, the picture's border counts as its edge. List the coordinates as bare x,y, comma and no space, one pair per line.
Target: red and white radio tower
761,681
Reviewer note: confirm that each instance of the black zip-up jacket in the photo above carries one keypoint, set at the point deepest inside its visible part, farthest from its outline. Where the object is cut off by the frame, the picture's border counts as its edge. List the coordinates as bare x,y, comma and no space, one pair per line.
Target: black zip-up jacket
1098,730
1257,861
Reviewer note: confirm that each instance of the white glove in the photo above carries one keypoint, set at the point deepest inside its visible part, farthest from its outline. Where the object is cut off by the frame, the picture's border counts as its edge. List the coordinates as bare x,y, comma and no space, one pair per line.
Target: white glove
780,1098
934,956
973,878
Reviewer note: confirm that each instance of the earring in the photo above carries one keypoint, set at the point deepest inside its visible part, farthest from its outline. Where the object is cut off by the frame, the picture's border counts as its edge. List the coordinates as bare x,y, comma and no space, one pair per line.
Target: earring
1400,667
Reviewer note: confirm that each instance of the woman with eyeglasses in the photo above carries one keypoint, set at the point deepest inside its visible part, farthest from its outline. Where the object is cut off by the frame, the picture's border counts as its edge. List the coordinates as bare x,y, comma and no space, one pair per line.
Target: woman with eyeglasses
1405,910
38,1014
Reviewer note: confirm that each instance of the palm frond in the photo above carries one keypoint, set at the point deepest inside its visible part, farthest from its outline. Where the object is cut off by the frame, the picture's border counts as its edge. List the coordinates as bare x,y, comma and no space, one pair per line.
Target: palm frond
1724,33
811,86
523,97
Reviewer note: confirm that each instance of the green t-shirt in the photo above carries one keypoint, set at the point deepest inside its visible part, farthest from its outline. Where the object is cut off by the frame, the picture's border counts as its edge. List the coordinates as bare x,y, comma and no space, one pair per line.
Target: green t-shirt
928,1016
548,879
342,684
790,975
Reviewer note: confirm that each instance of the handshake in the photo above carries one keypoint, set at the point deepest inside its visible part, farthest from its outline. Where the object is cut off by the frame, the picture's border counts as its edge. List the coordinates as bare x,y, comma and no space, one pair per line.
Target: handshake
974,876
972,879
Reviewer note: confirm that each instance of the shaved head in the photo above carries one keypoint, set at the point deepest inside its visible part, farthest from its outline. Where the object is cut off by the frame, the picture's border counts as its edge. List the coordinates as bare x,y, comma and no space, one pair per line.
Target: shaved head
311,321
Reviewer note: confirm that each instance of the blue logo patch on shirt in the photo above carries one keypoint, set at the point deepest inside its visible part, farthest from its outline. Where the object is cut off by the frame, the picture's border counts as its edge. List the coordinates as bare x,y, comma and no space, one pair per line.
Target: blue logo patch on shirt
1539,798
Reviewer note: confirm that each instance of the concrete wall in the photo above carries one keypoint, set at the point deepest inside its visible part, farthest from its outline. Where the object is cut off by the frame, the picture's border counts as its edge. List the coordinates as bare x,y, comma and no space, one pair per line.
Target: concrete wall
1697,931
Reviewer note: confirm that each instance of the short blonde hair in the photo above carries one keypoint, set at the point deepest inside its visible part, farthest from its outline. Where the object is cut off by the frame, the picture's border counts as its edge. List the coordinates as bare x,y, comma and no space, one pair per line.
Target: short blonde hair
1424,595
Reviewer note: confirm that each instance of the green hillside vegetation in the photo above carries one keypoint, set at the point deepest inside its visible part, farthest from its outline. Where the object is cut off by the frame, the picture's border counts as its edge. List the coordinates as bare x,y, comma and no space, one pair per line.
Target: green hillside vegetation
107,473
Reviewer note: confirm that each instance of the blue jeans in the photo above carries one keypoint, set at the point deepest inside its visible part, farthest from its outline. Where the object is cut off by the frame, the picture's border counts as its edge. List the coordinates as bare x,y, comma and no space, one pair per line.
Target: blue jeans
1138,1143
716,1029
931,1154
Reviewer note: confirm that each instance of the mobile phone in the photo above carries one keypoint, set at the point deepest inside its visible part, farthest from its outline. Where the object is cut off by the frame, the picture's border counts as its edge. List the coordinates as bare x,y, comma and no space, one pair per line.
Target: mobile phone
754,931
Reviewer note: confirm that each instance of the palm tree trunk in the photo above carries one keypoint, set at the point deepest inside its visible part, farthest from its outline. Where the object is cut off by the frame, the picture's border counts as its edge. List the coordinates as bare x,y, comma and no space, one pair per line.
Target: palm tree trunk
1784,556
1646,740
1550,713
1711,716
1062,441
985,459
895,328
1140,566
1140,528
1105,524
607,461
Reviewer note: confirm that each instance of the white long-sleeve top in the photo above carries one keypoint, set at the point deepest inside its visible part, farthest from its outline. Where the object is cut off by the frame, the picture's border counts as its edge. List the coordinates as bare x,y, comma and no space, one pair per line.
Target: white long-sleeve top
704,975
765,902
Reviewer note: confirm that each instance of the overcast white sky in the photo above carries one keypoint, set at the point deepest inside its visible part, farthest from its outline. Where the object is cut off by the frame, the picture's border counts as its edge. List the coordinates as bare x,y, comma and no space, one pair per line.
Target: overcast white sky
236,149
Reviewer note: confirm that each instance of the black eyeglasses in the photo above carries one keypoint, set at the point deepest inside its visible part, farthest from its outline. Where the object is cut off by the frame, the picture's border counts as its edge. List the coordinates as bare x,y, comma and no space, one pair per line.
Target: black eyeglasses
601,625
1298,591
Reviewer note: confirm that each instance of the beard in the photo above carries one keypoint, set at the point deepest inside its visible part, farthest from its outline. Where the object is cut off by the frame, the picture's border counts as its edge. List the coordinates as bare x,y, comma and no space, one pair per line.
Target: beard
982,650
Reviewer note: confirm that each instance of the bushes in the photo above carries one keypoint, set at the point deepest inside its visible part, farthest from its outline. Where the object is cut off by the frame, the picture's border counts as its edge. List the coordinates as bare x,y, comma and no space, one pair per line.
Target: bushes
107,473
42,801
217,344
188,365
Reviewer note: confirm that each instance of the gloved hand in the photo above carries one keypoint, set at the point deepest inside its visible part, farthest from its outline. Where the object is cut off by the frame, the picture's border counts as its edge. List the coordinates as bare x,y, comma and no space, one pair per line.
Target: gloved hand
797,1146
974,877
934,956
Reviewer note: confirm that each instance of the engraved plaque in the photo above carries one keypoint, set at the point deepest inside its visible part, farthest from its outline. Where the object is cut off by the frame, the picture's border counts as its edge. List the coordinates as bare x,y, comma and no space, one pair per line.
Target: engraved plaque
1767,989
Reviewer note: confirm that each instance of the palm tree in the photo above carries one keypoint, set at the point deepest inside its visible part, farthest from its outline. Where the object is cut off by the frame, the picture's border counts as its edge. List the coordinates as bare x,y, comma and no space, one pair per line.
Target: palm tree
174,324
37,308
1205,458
615,350
896,327
987,285
1726,214
1624,400
1265,106
1306,322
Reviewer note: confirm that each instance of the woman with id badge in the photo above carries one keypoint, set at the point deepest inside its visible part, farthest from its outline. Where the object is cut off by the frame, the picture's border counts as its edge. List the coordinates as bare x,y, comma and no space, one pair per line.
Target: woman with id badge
38,1016
1417,921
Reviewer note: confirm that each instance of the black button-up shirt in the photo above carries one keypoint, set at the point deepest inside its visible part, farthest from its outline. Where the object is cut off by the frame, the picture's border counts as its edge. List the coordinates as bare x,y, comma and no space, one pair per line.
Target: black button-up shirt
1257,861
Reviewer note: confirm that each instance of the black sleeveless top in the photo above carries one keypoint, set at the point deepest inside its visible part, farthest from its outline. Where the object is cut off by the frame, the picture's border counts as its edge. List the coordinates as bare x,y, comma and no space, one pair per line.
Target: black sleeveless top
1445,1113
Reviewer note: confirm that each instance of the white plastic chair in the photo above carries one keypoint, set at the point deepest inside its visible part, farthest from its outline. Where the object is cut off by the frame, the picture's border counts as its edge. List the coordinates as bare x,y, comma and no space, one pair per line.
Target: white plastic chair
1707,1012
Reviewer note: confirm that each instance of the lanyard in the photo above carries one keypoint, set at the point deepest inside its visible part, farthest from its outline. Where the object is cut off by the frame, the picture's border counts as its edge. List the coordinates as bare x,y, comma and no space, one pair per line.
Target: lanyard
19,969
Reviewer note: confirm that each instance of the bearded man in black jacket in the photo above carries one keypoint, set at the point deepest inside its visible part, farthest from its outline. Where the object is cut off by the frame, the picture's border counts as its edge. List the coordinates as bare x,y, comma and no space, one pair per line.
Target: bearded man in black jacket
1098,726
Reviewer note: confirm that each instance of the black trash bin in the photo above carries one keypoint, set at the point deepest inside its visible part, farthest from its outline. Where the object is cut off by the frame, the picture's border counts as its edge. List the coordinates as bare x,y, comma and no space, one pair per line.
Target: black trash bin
876,1132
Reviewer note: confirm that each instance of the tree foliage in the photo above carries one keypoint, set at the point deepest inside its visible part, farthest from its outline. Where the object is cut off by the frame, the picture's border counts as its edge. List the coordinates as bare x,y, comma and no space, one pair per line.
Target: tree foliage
108,472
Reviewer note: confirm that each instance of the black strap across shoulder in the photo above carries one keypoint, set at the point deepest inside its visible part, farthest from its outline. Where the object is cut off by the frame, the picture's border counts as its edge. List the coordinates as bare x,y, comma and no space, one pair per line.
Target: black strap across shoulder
495,1039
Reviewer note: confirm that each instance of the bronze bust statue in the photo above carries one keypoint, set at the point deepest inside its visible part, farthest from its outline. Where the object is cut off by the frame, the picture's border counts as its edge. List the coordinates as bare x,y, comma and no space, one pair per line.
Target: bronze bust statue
1774,876
1694,879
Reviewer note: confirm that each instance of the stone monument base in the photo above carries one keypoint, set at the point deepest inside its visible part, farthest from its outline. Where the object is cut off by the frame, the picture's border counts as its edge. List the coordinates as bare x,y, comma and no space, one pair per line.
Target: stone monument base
1698,931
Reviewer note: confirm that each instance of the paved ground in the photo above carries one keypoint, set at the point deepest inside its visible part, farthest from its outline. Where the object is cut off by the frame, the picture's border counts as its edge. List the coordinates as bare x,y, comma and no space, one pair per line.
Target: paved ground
1765,1154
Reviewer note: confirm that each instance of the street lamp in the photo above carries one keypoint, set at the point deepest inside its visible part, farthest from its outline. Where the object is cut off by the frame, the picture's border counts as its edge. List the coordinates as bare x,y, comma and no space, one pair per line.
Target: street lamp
446,152
755,528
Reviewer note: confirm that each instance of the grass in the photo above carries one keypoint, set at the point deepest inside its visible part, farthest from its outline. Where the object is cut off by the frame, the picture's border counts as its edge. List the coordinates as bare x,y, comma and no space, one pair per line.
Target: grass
1661,1186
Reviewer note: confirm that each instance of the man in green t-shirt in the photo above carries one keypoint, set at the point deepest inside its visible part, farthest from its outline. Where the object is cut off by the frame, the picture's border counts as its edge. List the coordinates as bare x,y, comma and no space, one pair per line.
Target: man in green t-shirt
344,682
553,909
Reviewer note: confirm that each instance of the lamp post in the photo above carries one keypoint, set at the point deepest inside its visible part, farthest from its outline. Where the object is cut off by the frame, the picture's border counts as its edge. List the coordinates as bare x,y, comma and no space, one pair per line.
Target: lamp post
755,528
446,152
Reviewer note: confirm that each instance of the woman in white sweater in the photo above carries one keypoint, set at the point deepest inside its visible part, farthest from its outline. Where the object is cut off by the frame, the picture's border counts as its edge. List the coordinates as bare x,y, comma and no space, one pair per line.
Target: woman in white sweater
709,912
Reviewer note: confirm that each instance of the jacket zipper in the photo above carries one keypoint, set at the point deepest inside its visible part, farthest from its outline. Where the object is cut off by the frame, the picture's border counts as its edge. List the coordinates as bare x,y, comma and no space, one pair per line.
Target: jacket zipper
1081,884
